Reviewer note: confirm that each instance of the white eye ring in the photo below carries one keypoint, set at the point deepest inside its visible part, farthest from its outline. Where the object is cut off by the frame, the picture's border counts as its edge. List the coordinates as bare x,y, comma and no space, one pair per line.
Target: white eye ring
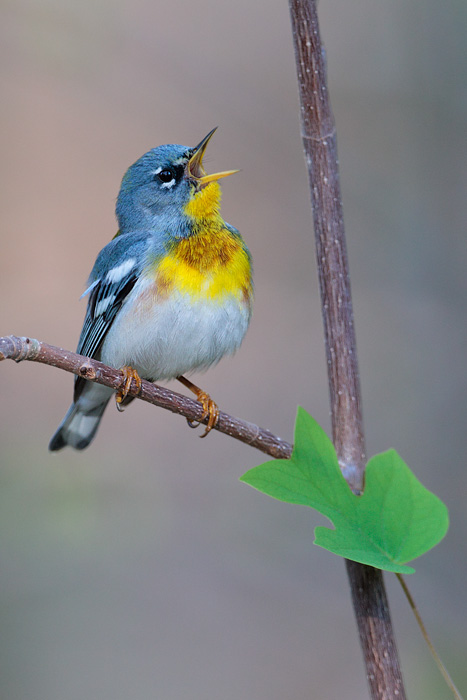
168,185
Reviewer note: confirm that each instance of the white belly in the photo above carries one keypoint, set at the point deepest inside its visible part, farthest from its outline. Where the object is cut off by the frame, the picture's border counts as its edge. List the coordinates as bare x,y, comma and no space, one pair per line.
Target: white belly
174,336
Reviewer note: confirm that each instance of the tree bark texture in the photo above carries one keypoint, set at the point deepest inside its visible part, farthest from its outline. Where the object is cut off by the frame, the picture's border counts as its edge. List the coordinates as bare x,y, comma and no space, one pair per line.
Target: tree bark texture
320,146
19,349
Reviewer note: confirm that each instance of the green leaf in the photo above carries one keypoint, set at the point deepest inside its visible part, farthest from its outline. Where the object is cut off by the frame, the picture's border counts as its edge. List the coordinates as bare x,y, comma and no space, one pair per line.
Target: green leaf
395,520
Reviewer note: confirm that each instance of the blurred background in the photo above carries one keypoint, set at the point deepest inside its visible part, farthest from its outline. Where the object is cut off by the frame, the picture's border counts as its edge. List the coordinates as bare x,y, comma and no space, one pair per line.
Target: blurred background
141,567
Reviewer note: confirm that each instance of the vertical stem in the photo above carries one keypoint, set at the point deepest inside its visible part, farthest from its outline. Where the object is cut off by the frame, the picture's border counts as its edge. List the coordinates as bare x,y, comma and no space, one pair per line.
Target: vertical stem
320,146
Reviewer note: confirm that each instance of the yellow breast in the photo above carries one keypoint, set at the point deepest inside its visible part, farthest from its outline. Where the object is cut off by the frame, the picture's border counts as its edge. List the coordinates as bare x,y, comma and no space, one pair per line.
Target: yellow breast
210,264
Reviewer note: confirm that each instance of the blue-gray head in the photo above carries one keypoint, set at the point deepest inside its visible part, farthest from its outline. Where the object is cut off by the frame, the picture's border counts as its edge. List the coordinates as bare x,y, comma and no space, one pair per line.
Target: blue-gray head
156,189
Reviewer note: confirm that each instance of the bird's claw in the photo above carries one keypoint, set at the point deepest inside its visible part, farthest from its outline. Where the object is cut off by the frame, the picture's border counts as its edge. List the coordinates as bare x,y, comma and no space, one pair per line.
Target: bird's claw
128,375
210,409
209,406
192,423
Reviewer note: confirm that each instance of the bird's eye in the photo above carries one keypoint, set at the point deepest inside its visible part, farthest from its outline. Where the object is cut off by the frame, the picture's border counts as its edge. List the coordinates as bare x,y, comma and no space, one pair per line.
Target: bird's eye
166,175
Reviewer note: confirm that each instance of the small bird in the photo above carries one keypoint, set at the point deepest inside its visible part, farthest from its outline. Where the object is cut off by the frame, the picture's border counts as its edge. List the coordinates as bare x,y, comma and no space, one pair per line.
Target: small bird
170,294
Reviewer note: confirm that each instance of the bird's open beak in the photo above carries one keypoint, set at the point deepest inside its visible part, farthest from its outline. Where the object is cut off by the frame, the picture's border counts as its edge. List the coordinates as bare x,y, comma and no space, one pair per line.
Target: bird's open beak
195,168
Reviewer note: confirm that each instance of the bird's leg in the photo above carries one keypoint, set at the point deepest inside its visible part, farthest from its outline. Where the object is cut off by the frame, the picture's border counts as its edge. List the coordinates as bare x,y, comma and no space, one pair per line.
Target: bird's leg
209,406
128,375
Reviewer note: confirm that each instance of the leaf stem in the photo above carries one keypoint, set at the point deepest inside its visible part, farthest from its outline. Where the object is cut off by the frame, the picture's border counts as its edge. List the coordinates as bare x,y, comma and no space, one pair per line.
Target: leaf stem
434,653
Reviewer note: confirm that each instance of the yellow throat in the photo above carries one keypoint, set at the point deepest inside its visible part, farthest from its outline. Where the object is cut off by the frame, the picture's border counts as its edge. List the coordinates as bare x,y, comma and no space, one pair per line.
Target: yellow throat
212,263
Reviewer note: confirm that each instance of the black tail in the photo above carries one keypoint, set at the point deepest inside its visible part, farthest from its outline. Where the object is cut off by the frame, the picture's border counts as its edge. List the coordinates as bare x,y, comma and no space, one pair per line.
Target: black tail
78,427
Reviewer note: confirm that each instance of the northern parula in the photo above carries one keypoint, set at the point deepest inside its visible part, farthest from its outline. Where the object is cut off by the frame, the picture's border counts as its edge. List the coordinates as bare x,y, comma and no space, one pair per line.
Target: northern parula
170,294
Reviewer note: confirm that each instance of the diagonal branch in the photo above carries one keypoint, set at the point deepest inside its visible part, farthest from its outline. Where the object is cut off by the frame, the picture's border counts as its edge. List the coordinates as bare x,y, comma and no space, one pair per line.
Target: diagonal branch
19,349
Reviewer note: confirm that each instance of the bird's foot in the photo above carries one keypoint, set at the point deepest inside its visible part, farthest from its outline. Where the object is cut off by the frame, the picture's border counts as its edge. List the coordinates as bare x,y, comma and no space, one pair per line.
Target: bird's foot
210,408
128,375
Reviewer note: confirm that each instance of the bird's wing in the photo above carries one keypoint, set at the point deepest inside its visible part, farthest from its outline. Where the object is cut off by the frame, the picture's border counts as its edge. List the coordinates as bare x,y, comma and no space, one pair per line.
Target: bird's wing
114,275
105,301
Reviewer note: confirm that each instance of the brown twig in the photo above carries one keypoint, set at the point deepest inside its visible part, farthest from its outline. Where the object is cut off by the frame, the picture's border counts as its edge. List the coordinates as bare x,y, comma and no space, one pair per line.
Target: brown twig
442,668
18,349
320,146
